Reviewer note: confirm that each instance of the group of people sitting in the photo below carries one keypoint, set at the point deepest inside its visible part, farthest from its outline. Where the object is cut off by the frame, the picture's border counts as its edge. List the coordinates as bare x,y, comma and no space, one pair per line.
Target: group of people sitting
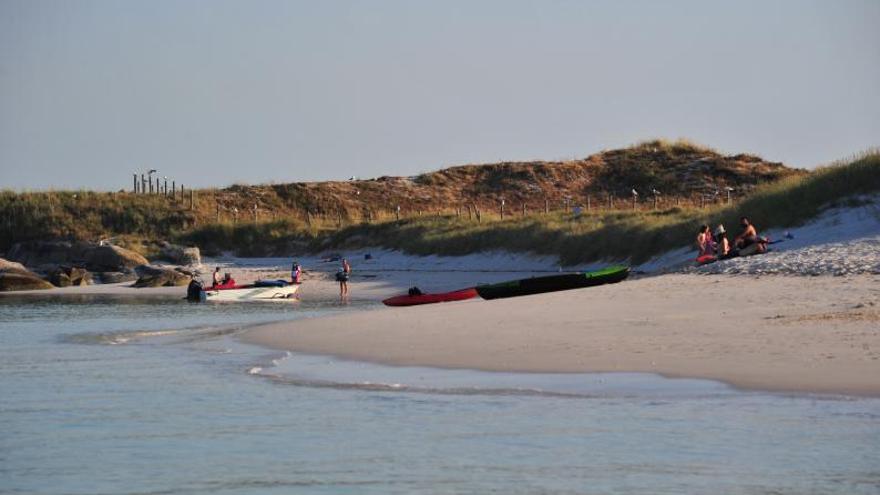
716,244
226,281
223,283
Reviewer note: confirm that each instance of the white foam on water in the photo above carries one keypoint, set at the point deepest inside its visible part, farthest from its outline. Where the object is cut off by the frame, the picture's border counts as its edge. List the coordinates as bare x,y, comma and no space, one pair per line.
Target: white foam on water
324,371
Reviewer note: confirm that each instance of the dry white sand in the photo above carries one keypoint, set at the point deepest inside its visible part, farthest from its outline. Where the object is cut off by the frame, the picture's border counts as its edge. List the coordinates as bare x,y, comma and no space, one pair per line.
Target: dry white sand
816,334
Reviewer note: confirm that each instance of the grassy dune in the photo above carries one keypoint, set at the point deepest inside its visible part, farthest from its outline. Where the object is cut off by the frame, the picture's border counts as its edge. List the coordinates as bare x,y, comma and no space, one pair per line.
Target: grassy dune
590,236
777,197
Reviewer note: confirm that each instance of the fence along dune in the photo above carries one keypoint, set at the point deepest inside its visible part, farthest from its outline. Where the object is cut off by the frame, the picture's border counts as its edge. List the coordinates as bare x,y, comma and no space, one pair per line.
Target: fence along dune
580,210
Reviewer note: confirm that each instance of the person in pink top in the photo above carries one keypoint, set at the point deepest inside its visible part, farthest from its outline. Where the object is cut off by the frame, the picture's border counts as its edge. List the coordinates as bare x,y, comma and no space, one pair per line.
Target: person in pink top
705,242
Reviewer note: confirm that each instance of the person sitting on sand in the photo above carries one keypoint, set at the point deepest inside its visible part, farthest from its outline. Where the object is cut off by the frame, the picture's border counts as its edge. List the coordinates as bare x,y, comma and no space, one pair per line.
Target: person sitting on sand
722,246
748,241
216,278
705,243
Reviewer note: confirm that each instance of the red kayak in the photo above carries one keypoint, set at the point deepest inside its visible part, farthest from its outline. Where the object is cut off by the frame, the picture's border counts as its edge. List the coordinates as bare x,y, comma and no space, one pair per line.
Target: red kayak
408,300
706,259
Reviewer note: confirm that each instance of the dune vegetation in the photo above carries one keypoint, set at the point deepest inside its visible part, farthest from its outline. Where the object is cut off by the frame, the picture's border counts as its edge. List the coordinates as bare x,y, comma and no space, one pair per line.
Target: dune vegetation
595,234
591,218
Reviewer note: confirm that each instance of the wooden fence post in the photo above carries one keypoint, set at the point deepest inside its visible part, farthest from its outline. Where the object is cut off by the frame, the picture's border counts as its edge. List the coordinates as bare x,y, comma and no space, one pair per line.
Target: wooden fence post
589,203
135,183
546,206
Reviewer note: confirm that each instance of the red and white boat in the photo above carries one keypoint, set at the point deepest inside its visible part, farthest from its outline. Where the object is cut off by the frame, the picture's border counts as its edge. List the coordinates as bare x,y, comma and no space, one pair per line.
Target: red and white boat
261,290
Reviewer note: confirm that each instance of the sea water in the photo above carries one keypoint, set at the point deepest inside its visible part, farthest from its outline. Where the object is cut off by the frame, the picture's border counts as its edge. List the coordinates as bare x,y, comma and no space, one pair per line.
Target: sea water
125,395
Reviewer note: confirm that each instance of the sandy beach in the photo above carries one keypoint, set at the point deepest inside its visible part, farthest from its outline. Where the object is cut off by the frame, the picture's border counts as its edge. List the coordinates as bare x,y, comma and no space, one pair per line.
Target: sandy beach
782,333
749,322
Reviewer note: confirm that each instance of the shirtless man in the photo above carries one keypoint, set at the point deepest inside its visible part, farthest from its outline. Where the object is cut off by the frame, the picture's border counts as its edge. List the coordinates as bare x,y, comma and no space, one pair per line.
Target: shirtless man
749,237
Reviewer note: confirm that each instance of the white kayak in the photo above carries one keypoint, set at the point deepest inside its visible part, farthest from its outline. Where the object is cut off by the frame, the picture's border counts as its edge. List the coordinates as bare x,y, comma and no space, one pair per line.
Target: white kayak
251,293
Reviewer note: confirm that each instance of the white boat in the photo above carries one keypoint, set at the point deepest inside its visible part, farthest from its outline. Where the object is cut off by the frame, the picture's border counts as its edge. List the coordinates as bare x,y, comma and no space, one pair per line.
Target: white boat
253,292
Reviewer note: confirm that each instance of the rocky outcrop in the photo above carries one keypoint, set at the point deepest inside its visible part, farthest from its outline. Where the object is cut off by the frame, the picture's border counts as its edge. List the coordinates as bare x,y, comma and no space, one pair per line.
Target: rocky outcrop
110,258
39,253
14,276
66,276
13,267
116,277
181,255
92,257
10,281
153,276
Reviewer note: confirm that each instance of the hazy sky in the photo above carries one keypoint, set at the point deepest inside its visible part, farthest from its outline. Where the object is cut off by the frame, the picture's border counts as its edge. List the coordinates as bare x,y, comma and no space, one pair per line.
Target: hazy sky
214,92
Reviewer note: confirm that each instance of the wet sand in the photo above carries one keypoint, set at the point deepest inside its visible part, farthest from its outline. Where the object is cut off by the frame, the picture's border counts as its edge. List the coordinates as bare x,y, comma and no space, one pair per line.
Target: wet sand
780,333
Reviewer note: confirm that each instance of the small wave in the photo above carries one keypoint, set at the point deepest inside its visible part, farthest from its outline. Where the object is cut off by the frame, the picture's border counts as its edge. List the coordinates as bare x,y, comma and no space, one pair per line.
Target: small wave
186,335
116,338
399,387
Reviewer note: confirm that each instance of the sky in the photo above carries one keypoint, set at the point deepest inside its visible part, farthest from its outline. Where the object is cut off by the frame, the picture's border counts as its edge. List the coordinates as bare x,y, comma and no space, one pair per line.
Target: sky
216,92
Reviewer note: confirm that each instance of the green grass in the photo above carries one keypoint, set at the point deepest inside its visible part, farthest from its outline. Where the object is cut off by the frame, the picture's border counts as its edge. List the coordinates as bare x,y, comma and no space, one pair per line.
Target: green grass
87,215
250,239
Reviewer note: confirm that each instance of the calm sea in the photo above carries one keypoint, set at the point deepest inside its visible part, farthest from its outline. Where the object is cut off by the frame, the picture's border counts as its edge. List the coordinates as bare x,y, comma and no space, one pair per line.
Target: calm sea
102,395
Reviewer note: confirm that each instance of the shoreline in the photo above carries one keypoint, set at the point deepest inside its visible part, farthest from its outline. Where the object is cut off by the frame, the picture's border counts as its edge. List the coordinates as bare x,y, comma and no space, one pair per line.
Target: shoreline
803,334
776,332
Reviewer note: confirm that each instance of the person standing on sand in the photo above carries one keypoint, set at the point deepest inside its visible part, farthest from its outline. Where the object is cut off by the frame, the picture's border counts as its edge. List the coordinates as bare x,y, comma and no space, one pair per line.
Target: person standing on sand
342,277
295,273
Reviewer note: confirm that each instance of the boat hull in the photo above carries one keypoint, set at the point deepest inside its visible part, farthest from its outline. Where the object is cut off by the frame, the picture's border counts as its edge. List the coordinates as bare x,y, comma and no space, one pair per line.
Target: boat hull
415,300
252,293
553,283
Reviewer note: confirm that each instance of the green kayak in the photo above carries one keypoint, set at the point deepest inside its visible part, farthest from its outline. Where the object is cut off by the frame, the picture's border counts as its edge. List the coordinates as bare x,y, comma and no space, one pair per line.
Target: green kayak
565,281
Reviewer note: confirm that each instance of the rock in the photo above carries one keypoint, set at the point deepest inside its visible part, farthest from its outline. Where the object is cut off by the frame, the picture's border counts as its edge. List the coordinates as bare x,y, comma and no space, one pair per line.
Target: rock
13,267
10,281
152,276
14,276
116,277
93,257
64,276
181,255
112,258
38,253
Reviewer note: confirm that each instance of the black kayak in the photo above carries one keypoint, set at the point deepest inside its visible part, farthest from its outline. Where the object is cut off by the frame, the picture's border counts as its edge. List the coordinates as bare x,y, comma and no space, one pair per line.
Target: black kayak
565,281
